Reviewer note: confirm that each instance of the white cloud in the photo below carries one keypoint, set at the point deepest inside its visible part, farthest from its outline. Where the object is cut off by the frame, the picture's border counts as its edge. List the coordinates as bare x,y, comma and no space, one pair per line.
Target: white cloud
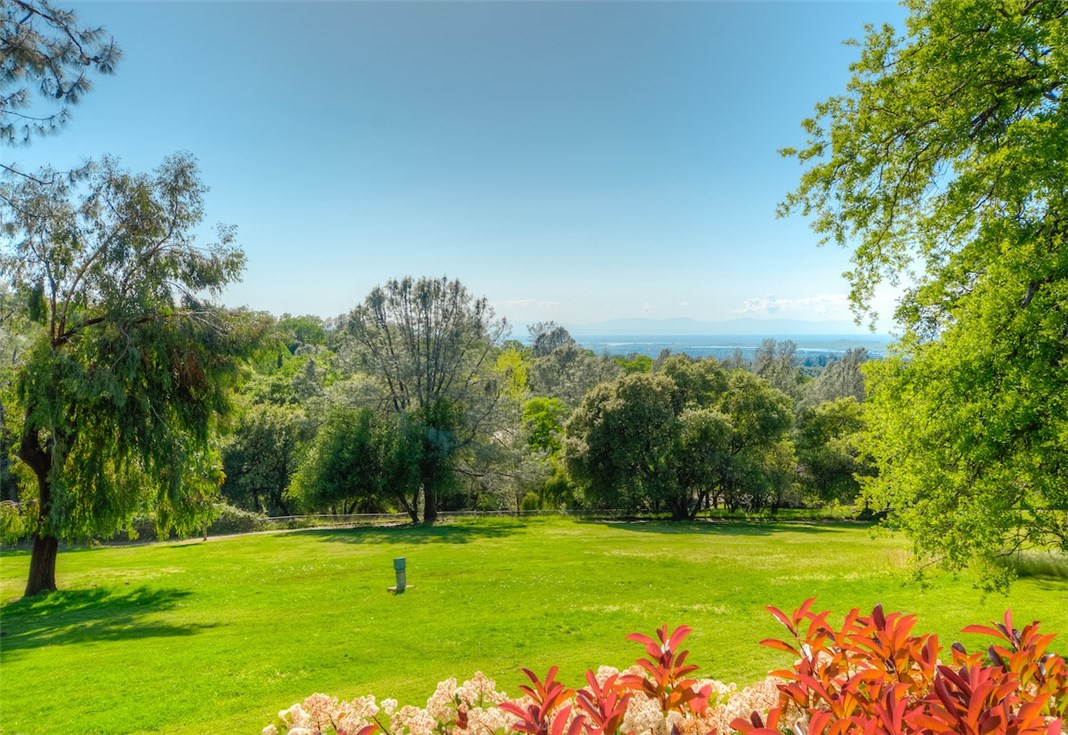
820,305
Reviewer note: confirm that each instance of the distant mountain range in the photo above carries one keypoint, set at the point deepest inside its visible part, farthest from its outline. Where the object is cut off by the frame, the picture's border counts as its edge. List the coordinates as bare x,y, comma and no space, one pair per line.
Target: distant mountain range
778,328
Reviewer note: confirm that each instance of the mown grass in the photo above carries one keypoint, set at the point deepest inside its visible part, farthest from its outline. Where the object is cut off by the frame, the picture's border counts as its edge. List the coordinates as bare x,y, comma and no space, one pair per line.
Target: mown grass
201,637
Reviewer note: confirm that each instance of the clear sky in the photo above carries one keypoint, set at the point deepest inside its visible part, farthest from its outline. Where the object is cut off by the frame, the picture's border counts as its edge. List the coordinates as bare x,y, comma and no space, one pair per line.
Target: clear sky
569,161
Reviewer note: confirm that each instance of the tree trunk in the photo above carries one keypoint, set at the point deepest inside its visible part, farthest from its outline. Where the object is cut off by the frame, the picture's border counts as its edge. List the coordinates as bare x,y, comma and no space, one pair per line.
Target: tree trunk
45,546
42,565
430,502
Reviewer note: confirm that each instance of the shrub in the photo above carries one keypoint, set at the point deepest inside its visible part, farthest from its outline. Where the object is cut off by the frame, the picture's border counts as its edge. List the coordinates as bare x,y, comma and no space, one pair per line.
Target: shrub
236,520
870,676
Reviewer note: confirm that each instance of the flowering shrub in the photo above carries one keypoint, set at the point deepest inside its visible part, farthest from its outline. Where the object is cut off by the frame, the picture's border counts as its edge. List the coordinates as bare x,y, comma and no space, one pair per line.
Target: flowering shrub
869,676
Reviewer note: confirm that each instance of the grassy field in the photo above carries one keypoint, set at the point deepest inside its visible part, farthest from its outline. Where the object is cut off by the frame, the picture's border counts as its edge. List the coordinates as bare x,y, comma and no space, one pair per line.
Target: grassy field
217,636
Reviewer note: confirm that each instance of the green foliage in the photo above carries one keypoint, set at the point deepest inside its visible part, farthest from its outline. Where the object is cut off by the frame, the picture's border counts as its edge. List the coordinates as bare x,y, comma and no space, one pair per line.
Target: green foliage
969,439
569,372
548,336
14,524
944,162
432,345
543,419
259,459
512,369
682,439
122,388
228,519
760,418
361,461
620,442
775,363
829,440
841,378
302,332
634,363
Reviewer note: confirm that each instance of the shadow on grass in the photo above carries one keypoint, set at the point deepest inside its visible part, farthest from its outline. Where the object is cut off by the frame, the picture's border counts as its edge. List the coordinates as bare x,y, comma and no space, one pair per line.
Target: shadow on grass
726,528
89,616
448,533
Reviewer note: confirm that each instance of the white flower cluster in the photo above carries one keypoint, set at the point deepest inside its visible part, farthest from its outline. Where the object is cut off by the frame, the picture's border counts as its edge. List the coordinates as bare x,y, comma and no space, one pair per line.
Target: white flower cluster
471,709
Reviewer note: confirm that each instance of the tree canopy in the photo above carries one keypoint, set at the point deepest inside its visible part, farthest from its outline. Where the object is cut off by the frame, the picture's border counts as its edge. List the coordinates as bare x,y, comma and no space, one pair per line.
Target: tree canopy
943,167
431,344
129,365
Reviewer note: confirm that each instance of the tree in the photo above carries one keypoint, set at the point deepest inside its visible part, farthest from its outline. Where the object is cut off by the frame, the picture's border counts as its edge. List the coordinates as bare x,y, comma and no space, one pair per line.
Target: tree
569,372
130,367
302,332
620,442
681,439
840,378
760,416
260,458
945,158
547,336
774,362
15,338
828,441
45,61
431,344
361,460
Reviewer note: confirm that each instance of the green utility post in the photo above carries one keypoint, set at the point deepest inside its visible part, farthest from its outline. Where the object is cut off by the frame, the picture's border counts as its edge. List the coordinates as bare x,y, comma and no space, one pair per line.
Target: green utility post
402,582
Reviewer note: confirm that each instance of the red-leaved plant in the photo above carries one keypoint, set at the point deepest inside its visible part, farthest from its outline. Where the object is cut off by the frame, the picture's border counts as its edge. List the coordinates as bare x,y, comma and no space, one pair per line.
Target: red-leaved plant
872,676
665,672
868,676
603,707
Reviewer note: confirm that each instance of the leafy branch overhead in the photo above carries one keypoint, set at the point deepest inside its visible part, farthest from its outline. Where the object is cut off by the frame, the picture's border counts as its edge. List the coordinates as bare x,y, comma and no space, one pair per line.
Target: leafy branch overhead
942,167
45,66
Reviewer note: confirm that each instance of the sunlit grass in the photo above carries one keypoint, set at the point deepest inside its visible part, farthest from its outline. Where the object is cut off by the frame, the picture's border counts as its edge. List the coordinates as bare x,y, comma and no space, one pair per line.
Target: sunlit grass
217,637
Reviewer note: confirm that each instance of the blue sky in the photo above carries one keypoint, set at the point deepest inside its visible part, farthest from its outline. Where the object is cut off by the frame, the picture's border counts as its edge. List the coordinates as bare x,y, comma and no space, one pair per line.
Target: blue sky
569,161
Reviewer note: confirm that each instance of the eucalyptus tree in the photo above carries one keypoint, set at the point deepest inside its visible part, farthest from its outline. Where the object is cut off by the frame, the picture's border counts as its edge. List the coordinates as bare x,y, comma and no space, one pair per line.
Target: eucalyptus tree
943,163
130,366
432,346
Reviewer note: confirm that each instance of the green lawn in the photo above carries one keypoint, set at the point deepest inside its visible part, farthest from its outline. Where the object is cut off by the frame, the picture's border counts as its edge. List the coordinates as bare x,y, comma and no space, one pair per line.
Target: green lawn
198,637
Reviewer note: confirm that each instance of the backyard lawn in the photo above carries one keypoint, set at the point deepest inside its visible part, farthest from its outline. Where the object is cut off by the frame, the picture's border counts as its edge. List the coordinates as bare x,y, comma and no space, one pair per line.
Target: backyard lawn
218,636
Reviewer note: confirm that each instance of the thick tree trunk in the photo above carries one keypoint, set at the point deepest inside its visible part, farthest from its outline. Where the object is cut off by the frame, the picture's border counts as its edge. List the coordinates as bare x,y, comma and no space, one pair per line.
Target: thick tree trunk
42,565
45,546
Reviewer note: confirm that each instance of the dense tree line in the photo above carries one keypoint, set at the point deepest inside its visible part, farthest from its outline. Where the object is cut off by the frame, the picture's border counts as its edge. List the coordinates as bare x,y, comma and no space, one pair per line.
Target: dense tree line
352,418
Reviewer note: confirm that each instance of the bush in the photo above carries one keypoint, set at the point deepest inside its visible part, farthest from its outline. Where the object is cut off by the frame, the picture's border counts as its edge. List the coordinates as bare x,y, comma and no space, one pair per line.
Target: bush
869,676
236,520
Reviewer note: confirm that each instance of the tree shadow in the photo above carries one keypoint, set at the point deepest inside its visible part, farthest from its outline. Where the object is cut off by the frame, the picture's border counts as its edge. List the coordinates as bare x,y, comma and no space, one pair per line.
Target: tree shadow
726,528
448,533
89,616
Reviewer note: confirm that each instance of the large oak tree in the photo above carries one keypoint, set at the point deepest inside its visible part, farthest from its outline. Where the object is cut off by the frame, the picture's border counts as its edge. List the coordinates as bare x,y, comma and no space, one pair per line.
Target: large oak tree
943,165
